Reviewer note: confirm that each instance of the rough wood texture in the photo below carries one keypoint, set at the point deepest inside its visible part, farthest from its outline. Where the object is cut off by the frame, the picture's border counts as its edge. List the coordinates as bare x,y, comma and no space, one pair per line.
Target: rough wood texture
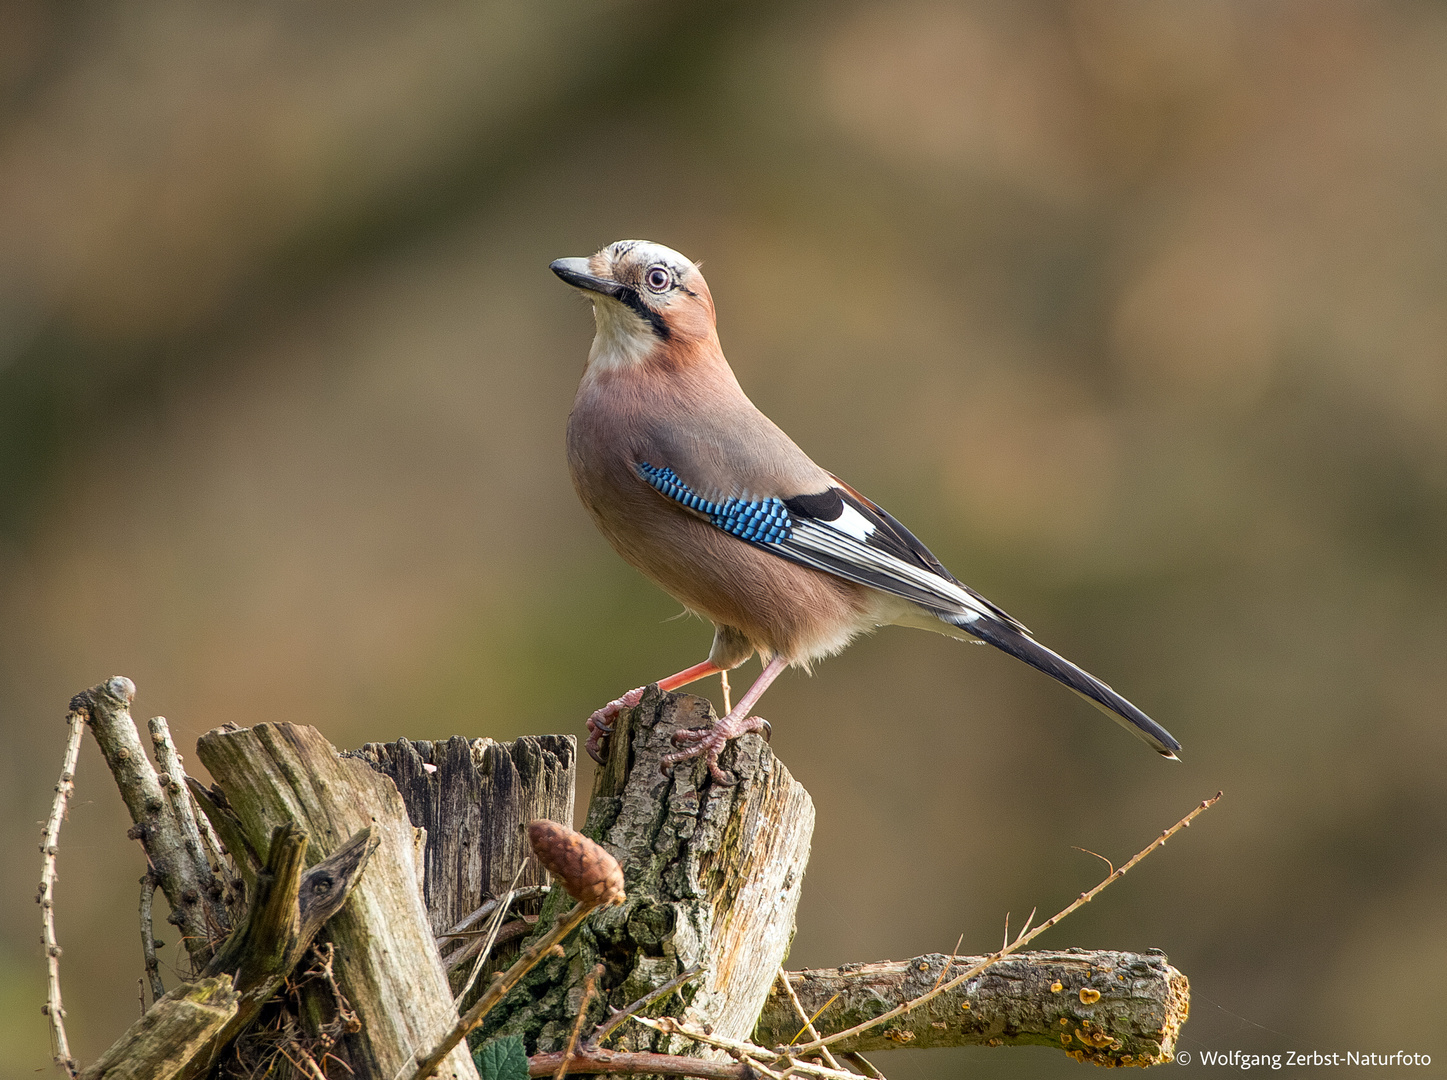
287,909
475,807
713,877
164,821
177,1029
1115,1008
386,961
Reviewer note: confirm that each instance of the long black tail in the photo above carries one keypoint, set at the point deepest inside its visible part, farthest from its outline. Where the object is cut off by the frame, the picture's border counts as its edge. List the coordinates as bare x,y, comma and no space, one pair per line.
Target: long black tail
1026,648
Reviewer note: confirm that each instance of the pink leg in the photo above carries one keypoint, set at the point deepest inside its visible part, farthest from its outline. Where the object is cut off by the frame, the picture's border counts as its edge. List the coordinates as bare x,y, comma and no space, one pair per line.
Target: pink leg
711,740
600,724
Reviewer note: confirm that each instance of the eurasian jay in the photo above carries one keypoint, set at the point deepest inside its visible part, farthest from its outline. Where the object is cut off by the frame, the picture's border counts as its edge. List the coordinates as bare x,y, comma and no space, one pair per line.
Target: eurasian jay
700,491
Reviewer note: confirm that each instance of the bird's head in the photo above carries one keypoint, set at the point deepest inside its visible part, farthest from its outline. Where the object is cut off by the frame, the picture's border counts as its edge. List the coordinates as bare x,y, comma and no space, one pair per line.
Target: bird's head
648,302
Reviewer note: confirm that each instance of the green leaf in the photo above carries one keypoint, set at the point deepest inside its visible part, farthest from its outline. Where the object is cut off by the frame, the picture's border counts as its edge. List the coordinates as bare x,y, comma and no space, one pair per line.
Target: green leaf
502,1059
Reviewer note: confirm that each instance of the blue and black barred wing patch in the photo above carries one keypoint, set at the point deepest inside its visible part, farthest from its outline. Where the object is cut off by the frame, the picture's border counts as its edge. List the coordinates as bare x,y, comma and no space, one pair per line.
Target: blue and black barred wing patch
759,521
834,533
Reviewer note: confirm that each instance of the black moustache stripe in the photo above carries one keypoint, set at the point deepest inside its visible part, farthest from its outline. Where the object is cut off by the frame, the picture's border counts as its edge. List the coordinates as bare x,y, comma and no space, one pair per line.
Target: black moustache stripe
635,302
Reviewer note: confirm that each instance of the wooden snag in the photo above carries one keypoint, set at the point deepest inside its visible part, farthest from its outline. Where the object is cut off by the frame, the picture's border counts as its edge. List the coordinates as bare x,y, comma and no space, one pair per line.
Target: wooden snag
474,802
184,1032
713,877
386,961
178,1029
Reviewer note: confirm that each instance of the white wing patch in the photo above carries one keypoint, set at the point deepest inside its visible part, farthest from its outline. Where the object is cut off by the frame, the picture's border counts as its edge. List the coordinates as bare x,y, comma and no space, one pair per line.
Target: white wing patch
825,547
854,523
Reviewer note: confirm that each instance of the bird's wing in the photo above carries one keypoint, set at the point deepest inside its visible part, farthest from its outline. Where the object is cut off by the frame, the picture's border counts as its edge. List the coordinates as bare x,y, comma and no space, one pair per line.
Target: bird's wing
839,532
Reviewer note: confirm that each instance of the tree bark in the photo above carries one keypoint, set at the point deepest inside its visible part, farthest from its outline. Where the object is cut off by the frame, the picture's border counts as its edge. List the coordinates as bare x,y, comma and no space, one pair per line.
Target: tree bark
386,960
1110,1007
713,876
475,805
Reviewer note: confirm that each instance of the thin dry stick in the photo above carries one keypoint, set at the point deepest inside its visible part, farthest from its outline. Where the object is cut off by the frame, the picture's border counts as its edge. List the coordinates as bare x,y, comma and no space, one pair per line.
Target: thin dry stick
567,922
949,961
619,1017
170,761
783,977
590,984
728,705
614,1062
757,1055
462,929
817,1013
492,930
148,937
49,846
1023,939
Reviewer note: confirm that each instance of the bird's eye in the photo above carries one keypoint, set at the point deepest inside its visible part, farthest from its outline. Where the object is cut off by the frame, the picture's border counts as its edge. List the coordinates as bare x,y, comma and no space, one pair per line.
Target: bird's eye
658,279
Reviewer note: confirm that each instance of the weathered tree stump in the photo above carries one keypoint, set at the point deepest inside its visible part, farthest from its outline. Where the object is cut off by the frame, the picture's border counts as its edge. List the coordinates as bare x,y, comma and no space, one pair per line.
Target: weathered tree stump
474,803
386,962
713,876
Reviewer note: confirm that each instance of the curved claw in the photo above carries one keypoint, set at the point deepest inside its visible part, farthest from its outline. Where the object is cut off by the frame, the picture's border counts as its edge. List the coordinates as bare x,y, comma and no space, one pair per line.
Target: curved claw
709,742
766,728
600,724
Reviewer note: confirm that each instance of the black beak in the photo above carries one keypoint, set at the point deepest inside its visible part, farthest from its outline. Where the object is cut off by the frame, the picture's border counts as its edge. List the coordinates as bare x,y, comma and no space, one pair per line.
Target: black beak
576,273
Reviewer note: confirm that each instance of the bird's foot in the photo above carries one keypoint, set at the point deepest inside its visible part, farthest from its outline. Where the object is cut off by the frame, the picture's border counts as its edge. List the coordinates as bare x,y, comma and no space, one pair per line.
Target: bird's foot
600,724
710,741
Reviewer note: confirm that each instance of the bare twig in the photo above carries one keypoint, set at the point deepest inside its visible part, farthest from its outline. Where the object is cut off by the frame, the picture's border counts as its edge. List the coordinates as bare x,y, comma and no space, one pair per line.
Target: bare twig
170,762
1097,854
808,1020
148,937
1023,939
593,1061
945,967
464,925
619,1017
165,822
757,1055
428,1061
49,846
590,984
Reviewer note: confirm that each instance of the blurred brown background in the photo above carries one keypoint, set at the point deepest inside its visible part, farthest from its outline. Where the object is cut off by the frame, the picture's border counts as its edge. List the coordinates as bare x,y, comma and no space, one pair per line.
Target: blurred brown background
1134,311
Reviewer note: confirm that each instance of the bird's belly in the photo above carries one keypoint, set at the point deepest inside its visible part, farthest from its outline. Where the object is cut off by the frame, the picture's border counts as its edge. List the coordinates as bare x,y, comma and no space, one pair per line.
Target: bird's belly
780,607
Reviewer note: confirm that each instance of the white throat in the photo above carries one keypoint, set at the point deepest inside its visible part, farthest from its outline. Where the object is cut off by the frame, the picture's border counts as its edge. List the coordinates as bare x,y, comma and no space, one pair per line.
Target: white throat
623,339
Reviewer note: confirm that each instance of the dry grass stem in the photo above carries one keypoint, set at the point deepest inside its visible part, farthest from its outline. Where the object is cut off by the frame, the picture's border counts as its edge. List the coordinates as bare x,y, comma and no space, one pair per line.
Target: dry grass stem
1021,940
808,1020
49,846
465,924
492,928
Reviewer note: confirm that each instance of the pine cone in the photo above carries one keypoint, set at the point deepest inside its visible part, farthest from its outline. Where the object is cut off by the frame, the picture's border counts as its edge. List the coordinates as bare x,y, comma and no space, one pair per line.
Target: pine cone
588,872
